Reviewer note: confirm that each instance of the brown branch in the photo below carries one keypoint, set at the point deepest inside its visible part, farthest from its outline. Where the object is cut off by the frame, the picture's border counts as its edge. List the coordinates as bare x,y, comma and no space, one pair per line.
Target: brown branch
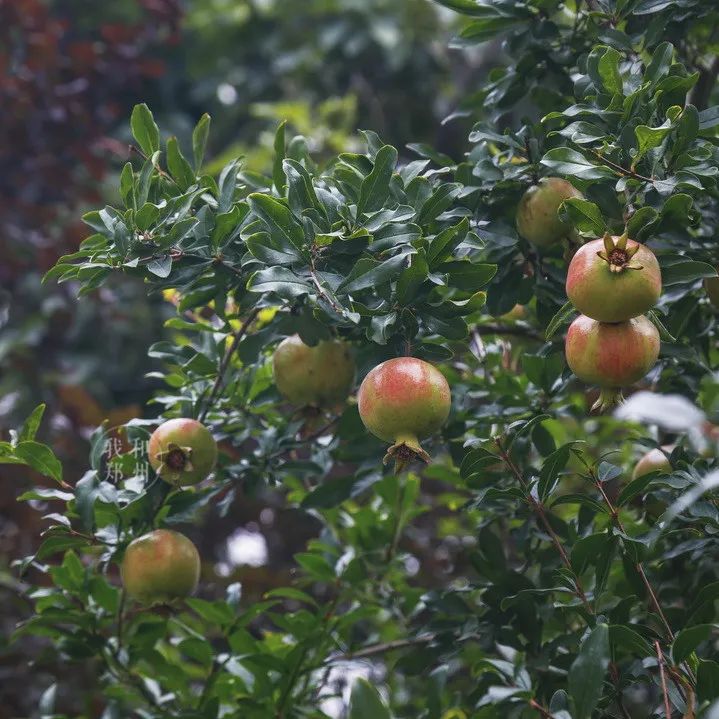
701,92
546,714
619,169
660,659
216,387
538,509
133,148
320,290
385,647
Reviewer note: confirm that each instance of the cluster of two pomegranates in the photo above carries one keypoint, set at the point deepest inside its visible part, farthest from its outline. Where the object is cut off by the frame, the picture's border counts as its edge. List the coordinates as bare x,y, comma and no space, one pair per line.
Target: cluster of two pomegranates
401,401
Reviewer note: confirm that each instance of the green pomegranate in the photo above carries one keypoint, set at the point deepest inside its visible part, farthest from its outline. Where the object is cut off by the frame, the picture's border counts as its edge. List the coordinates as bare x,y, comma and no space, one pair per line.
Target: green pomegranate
319,376
537,218
403,401
611,356
654,460
182,451
160,566
711,287
614,279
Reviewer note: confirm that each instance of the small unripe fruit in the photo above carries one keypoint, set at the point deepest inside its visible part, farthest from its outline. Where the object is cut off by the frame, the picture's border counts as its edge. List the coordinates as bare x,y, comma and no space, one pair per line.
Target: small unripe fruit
319,376
160,566
611,356
613,279
182,451
654,460
403,401
537,214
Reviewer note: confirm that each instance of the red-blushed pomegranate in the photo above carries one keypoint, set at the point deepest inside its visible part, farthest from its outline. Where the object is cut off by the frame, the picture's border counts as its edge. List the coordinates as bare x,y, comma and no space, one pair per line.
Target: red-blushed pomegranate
182,451
160,566
402,401
611,356
655,460
537,218
319,376
711,287
613,279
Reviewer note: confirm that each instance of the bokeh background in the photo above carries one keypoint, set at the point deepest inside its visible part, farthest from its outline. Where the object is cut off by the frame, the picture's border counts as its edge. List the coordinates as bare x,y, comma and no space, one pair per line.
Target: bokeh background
70,72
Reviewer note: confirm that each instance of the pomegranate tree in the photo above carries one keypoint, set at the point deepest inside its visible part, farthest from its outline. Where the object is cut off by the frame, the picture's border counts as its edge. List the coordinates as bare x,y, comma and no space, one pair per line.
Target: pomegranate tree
160,566
611,356
182,451
319,376
403,401
613,279
538,220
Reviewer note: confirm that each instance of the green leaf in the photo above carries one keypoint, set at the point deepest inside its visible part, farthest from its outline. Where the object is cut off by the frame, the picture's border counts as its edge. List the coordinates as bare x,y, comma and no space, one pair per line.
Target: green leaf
278,173
686,271
585,216
564,161
438,202
445,242
199,141
179,167
284,229
40,457
661,59
160,266
411,279
330,493
127,186
366,703
649,137
561,318
300,193
144,129
86,492
29,429
372,273
552,467
375,187
608,68
586,675
280,280
621,636
689,639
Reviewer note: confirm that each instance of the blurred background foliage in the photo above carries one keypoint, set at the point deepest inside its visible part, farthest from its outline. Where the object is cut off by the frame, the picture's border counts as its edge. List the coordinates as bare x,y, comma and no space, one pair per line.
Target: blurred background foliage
69,73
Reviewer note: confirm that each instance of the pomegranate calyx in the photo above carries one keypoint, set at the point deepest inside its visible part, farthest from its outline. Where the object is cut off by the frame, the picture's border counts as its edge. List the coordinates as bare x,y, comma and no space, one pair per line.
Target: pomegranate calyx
617,255
175,460
608,398
405,449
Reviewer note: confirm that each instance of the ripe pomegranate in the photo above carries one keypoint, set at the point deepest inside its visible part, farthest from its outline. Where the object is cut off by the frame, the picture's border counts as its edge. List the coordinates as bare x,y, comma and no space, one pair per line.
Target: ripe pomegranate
319,376
654,460
613,279
402,401
611,356
711,287
537,218
182,451
160,566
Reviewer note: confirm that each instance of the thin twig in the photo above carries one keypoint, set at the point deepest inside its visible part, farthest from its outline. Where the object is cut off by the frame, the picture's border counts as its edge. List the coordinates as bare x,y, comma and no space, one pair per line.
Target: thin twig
320,290
133,148
538,509
619,169
376,649
660,659
544,712
226,362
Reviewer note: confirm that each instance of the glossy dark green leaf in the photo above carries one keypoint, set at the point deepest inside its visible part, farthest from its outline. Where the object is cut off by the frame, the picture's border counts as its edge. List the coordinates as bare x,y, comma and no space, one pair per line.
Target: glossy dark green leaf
144,129
586,675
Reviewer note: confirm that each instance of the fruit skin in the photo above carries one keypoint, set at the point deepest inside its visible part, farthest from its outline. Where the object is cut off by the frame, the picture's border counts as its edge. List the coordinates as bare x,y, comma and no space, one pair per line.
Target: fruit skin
182,451
600,291
537,218
402,401
160,566
711,287
319,376
611,355
654,460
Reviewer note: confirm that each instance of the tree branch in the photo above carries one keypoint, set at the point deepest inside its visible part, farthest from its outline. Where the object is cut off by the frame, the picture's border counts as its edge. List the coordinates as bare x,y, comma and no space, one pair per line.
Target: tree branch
217,386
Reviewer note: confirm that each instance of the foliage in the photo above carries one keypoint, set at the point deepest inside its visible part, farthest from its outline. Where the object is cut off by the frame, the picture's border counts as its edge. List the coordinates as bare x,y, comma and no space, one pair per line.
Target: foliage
521,574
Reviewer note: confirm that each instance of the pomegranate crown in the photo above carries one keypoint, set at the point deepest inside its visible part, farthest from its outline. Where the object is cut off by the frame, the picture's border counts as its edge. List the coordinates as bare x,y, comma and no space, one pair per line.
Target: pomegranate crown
616,253
175,460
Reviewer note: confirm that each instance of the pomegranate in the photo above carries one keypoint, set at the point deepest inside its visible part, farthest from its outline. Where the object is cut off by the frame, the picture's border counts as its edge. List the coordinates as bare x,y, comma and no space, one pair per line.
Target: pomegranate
611,356
319,376
613,279
654,460
537,218
711,287
160,566
182,451
402,401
